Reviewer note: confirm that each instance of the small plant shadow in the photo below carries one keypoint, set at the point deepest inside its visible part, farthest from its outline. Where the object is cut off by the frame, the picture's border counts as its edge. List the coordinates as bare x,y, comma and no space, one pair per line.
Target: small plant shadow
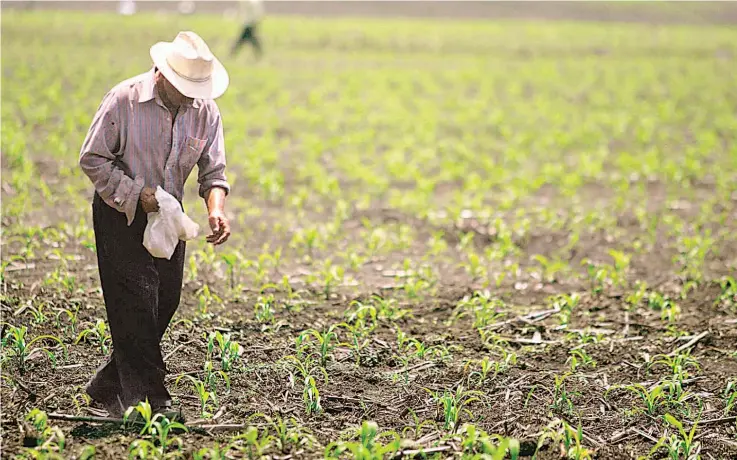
104,430
97,431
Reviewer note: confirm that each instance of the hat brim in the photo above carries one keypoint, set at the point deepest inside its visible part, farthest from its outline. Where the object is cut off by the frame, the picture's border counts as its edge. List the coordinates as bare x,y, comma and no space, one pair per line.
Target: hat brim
212,88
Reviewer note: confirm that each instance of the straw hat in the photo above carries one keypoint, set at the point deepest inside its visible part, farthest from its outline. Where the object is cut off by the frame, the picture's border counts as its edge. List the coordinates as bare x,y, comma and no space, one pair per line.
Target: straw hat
189,65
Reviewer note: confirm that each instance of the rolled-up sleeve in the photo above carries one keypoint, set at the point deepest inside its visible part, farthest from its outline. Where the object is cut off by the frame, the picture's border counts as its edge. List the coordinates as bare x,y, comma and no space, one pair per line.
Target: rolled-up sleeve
211,164
100,150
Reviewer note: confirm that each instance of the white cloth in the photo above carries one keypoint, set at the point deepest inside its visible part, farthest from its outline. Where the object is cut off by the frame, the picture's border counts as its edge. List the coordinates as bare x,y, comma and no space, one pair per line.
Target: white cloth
251,11
167,226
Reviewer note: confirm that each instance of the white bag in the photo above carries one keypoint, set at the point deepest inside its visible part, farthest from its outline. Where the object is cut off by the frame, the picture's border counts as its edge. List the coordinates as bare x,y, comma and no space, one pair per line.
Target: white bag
167,226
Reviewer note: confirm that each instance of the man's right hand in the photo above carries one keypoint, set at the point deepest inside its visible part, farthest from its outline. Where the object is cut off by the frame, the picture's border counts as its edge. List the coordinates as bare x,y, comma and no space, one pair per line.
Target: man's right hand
148,200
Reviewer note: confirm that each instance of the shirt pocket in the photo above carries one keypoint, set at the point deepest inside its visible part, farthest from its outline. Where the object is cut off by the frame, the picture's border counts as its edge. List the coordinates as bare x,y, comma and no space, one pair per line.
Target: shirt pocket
191,152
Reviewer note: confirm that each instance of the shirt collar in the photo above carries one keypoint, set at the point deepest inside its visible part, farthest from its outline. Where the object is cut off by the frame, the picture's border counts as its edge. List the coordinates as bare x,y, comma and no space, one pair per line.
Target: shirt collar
147,90
146,87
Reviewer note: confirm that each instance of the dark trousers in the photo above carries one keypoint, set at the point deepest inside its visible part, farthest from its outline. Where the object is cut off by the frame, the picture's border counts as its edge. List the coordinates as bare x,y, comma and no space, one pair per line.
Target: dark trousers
249,35
141,295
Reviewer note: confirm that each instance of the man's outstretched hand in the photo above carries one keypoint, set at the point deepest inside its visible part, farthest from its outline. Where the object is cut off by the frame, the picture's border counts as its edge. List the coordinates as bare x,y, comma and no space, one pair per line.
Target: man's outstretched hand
220,228
218,221
148,200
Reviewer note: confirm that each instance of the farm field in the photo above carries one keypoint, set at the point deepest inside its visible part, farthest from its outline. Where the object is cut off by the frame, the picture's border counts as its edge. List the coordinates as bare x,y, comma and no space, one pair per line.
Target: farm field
451,239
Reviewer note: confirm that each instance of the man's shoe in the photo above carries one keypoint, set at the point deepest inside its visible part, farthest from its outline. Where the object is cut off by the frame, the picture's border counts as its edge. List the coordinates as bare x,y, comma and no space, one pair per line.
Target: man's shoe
105,398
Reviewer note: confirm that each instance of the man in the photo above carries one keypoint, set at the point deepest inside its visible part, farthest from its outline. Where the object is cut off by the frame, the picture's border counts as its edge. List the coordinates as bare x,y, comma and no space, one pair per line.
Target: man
251,12
150,131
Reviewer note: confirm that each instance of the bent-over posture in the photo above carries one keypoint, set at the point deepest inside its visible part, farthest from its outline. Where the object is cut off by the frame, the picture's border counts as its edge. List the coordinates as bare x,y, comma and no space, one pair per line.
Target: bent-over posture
150,130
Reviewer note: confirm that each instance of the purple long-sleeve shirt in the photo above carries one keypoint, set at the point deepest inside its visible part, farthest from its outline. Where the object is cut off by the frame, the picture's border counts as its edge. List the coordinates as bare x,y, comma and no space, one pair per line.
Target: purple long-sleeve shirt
133,143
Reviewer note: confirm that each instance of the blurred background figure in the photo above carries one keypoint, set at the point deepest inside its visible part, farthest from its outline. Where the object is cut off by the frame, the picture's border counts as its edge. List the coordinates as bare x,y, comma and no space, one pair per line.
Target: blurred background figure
186,7
251,12
127,7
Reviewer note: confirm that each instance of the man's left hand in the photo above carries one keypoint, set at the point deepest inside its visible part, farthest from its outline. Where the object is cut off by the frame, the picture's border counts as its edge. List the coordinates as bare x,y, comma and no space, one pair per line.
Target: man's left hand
220,228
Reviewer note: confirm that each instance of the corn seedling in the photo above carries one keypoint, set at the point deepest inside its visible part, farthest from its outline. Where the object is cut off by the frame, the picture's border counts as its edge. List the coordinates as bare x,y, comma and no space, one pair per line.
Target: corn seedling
669,310
730,397
62,281
206,300
38,312
99,333
652,398
192,269
477,443
402,339
580,358
421,350
361,317
417,426
485,309
264,309
305,369
728,297
216,452
474,266
551,268
562,398
454,405
289,435
634,298
331,275
621,264
325,342
156,428
204,391
368,446
678,364
19,349
358,340
488,367
356,261
66,320
50,440
687,288
211,377
692,254
682,445
143,449
143,414
565,304
306,239
229,350
584,337
252,443
80,400
231,266
261,268
415,288
387,309
569,438
404,360
572,439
